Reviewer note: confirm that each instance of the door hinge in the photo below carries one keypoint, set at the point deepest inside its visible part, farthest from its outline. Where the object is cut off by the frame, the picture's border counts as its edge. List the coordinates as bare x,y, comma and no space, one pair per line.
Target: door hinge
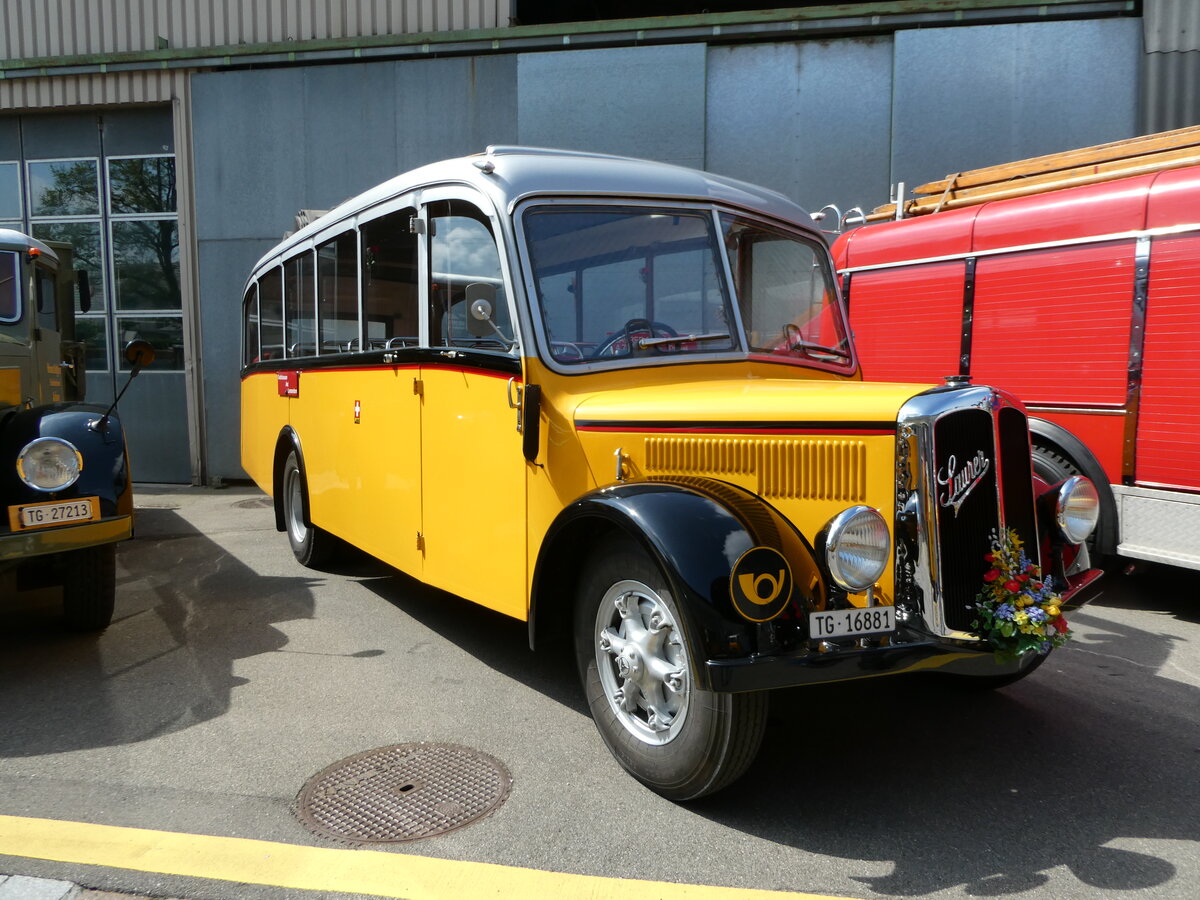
418,387
420,542
416,225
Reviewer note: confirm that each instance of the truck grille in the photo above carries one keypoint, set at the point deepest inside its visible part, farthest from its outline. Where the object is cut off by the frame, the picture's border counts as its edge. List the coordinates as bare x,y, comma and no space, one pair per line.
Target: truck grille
969,474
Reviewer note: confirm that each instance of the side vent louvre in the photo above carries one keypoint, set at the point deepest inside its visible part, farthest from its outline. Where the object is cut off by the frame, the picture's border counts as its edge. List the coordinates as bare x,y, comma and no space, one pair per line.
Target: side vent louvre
801,469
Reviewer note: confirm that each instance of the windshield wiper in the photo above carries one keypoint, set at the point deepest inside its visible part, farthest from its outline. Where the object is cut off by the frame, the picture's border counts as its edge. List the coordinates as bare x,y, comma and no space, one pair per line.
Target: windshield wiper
818,351
679,339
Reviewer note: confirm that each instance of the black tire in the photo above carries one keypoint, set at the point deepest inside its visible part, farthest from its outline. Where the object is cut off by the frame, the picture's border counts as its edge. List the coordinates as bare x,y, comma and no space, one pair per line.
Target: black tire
1053,467
89,586
312,546
679,740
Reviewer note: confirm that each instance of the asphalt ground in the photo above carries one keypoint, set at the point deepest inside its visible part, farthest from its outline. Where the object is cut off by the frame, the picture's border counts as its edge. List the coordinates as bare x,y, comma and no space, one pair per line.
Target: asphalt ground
164,757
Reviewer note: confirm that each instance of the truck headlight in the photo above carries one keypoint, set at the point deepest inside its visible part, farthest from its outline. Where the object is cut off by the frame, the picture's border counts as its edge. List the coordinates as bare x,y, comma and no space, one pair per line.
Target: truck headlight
49,464
1076,508
857,547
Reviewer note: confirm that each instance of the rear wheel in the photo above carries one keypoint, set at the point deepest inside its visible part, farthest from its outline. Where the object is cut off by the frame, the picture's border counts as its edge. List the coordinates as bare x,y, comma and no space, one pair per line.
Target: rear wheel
312,546
632,648
89,585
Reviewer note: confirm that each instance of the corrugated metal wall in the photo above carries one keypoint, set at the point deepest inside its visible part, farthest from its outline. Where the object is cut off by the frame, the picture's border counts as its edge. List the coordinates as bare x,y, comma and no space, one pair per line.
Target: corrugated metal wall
1171,78
49,28
142,86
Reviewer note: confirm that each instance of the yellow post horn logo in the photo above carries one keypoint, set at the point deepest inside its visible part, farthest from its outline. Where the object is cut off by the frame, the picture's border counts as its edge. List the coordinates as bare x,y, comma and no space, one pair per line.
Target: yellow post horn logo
750,586
760,584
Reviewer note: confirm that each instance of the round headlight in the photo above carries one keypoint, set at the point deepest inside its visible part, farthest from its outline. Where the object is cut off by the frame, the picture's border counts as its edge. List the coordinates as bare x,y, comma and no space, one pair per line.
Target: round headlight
1077,508
49,464
857,547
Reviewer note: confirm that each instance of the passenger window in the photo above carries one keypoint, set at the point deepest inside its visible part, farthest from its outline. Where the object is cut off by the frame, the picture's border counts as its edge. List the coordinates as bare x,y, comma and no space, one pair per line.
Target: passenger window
337,293
391,302
250,326
298,300
467,302
270,314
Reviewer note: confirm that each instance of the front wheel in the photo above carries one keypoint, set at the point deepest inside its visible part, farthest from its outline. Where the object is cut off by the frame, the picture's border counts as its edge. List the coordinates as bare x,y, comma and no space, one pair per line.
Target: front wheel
312,546
89,586
632,648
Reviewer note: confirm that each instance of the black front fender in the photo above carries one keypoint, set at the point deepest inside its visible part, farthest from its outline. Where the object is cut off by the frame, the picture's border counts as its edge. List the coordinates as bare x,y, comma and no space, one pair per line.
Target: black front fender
696,530
105,472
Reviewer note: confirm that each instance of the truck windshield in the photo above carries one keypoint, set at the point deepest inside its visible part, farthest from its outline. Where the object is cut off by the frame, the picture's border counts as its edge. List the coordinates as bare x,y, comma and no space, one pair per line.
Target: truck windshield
621,282
10,287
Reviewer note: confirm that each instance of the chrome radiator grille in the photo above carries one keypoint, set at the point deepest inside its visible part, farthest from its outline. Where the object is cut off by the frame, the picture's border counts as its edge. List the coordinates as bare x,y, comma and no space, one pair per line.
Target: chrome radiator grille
965,473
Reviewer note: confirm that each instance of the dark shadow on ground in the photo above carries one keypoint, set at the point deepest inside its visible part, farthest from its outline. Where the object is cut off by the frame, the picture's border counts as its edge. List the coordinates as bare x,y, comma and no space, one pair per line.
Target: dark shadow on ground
186,610
950,785
496,640
990,791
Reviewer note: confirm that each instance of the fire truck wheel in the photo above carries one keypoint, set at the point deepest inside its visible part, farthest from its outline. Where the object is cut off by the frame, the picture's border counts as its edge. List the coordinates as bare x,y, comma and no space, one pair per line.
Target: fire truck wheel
89,585
1053,467
313,547
631,646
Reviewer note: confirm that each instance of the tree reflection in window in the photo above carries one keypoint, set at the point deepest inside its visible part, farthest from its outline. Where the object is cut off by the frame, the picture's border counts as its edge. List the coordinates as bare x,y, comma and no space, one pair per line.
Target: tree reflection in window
64,188
145,185
146,261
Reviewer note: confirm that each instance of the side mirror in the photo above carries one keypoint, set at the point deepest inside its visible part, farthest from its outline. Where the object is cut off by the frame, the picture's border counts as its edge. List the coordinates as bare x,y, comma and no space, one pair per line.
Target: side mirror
481,304
83,281
139,354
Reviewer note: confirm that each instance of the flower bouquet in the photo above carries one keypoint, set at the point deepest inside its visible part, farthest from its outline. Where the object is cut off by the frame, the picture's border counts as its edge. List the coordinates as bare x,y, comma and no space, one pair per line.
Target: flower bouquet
1018,609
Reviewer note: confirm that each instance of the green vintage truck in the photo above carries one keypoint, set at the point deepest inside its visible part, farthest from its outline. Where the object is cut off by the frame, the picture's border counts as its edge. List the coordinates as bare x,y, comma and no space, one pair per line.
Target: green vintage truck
66,495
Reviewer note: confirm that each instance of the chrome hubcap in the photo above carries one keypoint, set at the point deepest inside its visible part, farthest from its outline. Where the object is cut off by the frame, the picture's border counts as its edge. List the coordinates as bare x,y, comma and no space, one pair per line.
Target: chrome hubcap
294,498
642,662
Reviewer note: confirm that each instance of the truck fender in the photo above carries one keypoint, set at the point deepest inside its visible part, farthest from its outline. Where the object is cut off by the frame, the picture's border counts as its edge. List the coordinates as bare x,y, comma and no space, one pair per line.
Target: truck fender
1056,438
696,530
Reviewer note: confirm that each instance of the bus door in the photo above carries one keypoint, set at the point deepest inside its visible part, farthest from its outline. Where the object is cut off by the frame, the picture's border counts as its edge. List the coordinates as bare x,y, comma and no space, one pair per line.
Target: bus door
370,481
473,469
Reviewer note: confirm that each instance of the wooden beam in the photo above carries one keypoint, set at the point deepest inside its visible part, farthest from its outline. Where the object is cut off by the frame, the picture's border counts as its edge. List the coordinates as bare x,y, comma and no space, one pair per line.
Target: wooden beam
1052,181
1040,165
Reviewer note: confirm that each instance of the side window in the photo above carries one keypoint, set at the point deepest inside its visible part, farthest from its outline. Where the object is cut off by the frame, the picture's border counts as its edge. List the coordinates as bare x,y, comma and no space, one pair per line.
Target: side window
250,326
10,287
337,293
47,299
467,302
391,308
299,306
270,314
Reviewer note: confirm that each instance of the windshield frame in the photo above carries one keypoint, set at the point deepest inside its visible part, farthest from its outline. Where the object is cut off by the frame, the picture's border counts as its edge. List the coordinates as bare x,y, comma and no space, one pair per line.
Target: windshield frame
16,290
713,213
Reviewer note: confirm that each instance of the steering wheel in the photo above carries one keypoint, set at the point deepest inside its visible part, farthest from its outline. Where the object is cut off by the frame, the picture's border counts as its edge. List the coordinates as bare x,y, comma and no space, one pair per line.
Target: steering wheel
624,342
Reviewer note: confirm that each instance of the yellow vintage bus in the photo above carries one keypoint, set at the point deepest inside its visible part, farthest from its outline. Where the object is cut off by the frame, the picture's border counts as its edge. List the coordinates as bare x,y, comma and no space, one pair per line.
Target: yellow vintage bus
619,400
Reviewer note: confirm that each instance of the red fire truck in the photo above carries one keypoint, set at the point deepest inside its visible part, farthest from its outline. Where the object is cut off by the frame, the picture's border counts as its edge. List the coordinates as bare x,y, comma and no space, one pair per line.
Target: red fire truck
1073,281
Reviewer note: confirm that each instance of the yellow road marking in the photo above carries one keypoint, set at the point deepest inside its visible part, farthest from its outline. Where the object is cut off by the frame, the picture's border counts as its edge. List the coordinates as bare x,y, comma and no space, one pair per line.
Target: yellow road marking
329,869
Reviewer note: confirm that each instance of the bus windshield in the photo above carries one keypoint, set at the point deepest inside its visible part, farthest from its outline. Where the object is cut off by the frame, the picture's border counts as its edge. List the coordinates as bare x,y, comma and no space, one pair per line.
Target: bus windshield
623,282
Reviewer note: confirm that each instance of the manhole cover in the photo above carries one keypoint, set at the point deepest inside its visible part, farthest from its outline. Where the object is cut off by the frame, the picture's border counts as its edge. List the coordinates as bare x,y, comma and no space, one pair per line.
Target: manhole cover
402,793
254,503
